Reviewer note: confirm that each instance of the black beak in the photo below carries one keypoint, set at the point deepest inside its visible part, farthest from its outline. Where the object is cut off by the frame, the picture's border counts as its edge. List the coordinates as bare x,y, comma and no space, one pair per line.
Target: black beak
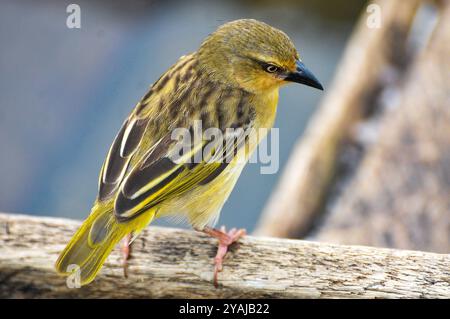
304,76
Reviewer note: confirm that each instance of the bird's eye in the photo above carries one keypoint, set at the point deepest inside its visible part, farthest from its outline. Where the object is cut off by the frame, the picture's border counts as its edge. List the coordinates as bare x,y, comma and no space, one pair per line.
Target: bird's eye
271,68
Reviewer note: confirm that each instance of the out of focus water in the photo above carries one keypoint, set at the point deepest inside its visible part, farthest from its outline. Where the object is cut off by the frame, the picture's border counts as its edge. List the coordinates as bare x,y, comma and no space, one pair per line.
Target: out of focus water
65,92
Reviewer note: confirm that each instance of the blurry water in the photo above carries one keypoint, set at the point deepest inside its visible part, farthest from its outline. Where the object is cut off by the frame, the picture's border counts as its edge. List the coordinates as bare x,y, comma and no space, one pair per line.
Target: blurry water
65,92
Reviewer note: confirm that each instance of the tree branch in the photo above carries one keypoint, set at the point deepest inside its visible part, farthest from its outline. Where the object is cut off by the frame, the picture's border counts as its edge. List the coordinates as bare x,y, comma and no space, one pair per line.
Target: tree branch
178,263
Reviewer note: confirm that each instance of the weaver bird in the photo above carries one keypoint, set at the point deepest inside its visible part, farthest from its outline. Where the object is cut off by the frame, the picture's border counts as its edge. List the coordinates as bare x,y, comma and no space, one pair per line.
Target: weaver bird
231,81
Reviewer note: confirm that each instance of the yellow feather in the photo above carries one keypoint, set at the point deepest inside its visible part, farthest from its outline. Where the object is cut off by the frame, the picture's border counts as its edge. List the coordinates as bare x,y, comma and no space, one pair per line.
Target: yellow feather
82,257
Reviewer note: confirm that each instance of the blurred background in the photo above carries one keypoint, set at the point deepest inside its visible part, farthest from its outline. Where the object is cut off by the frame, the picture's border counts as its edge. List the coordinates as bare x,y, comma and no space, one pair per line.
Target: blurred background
65,92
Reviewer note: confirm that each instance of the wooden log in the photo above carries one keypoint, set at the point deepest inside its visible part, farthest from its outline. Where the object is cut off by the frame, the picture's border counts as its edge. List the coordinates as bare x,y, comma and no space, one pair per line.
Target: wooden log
174,263
300,194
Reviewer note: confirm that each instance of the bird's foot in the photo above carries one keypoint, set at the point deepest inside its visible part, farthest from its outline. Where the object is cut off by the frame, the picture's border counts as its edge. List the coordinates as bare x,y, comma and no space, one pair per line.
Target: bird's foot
126,254
225,240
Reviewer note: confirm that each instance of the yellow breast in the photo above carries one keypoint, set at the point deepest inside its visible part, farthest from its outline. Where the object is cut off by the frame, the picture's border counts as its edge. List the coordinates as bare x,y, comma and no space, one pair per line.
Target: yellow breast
266,108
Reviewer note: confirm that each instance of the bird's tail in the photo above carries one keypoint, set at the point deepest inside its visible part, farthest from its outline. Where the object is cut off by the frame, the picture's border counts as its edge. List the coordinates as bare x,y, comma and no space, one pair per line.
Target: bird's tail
92,243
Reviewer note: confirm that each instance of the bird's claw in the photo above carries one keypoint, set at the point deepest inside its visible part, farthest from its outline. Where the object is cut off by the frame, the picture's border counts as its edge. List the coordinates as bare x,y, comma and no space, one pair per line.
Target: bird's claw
225,240
126,254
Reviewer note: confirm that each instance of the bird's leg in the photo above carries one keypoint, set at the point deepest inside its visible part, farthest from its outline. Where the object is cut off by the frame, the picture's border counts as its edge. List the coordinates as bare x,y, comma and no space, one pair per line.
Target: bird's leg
126,254
225,240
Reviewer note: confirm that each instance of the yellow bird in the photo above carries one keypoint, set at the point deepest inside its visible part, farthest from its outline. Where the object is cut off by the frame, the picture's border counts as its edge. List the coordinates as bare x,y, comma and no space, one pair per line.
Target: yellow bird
230,82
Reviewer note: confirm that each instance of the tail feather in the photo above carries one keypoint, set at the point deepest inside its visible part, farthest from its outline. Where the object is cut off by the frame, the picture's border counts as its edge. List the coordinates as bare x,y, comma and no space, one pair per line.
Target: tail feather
91,244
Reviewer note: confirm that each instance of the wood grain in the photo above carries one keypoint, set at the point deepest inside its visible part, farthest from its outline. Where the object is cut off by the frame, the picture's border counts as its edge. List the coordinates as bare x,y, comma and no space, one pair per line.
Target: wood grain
174,263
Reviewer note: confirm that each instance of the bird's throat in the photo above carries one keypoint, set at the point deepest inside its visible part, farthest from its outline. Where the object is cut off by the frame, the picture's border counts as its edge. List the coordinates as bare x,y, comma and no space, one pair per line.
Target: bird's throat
266,108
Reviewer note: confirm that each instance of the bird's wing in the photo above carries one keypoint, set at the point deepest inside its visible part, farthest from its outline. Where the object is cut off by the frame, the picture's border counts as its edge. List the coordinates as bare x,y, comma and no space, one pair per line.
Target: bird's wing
140,173
164,174
126,145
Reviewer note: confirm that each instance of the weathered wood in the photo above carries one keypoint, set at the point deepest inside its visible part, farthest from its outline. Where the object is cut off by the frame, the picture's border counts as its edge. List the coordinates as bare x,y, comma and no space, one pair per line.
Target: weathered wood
400,194
178,263
306,179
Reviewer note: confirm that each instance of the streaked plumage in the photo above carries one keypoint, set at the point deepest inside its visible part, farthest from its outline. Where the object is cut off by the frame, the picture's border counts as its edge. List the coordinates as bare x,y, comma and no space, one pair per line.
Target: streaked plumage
225,84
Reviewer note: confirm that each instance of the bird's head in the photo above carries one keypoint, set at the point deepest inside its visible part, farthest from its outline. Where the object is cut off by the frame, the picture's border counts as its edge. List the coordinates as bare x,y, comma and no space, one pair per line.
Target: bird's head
254,56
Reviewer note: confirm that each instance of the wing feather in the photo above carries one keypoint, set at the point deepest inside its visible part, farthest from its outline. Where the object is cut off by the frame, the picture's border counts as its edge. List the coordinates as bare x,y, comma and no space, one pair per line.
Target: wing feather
150,184
117,161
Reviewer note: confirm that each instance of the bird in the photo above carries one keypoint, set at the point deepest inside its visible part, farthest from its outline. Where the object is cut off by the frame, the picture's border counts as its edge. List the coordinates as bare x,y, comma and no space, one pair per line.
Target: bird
230,84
